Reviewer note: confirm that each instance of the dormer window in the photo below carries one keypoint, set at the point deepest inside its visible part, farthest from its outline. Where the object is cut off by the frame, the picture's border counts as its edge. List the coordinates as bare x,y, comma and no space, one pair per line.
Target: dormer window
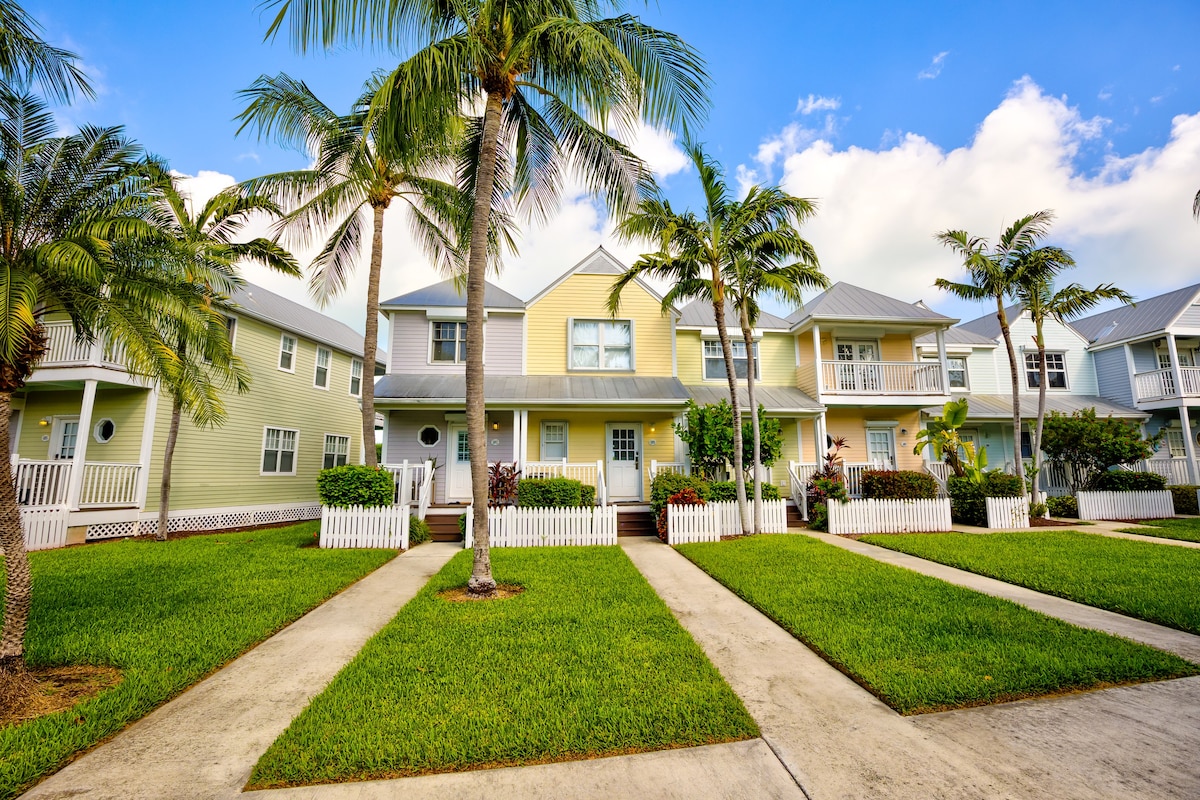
602,344
449,344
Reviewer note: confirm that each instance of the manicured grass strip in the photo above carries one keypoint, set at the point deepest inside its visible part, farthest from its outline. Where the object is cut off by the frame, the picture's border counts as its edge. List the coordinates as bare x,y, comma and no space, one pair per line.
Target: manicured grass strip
918,643
165,615
1187,530
587,661
1154,582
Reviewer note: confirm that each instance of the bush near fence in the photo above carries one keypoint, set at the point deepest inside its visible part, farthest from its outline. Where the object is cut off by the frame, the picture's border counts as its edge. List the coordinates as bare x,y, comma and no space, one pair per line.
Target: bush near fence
684,497
1185,499
1124,481
968,499
550,493
900,484
418,531
1066,506
356,485
726,492
665,484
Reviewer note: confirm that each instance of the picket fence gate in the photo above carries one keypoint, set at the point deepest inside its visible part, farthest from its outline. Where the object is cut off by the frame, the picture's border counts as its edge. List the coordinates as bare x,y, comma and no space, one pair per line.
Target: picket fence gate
45,526
1125,505
1007,512
889,516
512,526
709,522
384,527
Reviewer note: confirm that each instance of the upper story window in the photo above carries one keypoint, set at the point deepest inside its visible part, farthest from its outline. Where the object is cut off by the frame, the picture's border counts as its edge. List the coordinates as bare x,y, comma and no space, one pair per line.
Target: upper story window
856,350
602,344
321,373
449,342
337,450
714,360
956,368
287,353
1056,371
356,368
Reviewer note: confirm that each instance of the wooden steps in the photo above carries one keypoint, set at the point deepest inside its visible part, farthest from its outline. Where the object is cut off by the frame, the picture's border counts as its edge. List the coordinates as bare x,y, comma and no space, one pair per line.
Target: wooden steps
444,527
794,518
636,523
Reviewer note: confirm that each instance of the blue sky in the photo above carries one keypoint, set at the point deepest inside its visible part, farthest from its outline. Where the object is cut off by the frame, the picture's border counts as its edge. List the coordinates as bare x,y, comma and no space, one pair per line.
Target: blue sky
901,119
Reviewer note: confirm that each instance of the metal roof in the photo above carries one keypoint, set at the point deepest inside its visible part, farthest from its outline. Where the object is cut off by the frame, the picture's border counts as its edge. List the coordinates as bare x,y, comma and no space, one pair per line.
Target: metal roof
988,326
844,300
533,389
699,314
1147,317
257,302
447,294
775,399
999,406
958,335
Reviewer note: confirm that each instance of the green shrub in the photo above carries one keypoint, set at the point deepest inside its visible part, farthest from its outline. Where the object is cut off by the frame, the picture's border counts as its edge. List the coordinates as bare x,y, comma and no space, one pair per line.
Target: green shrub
1185,499
1124,481
666,484
968,499
549,493
462,525
418,531
684,497
726,492
356,485
1066,506
822,492
898,485
587,495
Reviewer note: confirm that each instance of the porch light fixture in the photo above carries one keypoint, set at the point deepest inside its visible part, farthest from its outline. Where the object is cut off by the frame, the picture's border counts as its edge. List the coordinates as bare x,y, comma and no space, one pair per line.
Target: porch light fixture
495,426
44,421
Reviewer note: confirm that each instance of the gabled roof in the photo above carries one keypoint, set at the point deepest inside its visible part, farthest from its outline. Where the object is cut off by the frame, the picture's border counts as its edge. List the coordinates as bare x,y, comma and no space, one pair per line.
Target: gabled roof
699,314
988,326
597,262
1145,318
844,301
262,304
447,295
958,335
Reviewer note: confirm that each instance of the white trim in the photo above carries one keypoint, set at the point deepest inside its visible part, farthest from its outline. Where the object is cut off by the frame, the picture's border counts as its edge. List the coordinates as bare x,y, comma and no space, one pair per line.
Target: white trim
459,325
1026,352
328,368
222,517
147,451
566,426
96,430
283,337
53,448
587,261
423,427
732,343
350,383
524,344
295,453
837,340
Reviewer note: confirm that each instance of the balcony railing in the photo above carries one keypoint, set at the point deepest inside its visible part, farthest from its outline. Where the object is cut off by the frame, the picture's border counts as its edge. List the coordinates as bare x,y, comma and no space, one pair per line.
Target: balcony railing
881,378
1159,384
65,350
48,483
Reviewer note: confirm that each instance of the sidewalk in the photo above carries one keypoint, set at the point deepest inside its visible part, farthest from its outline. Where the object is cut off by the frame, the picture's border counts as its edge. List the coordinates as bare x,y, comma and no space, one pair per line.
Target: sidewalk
1112,530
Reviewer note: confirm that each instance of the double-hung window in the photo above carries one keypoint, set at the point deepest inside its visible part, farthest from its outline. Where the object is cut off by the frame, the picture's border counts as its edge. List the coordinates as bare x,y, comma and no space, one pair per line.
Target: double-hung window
602,344
449,342
1056,371
279,451
1175,443
956,368
337,448
356,368
321,373
554,441
714,360
287,353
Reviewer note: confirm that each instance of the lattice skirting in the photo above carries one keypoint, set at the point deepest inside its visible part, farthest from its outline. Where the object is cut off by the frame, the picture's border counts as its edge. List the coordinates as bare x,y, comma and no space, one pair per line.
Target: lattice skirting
213,519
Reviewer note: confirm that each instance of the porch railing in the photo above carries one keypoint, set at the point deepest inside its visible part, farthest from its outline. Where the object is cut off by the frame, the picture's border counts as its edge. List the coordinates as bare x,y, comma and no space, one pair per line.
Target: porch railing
678,467
940,471
589,472
407,477
109,485
42,483
799,474
881,377
1159,384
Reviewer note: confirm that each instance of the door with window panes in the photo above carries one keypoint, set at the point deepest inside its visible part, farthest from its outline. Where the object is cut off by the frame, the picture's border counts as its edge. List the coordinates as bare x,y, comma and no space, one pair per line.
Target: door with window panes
623,462
881,447
63,438
458,465
858,369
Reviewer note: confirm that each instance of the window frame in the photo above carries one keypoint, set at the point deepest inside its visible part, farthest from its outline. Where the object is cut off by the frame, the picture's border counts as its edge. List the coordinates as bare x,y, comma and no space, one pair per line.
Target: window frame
704,359
325,451
1179,434
566,441
424,427
262,453
966,371
356,364
283,339
600,323
460,341
876,343
1031,373
328,368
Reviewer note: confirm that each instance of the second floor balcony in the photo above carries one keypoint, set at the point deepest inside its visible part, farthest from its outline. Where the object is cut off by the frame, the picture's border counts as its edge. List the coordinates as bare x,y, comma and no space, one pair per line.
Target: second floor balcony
882,378
65,349
1160,384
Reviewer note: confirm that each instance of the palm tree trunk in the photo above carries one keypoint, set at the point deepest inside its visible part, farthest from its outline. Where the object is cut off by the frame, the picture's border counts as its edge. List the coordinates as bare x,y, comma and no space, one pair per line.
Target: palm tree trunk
1041,415
755,456
481,581
739,476
164,488
371,339
18,587
1016,389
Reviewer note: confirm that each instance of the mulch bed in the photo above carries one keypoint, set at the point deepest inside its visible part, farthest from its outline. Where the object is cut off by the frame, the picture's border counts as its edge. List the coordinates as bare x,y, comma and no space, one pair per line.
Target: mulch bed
59,688
459,594
1040,522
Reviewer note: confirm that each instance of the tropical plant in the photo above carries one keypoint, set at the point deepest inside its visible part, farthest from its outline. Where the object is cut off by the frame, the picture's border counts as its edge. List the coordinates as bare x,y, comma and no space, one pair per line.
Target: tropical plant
707,430
941,436
502,483
355,177
550,77
1086,445
26,58
993,275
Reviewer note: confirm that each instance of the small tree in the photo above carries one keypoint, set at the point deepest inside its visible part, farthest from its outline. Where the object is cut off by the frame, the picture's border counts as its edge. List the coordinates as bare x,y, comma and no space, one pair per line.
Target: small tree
942,437
708,432
1087,446
770,435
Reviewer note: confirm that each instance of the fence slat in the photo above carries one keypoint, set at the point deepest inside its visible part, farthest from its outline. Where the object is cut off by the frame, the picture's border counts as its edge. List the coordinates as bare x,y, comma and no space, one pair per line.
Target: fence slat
1125,505
889,516
358,527
1007,512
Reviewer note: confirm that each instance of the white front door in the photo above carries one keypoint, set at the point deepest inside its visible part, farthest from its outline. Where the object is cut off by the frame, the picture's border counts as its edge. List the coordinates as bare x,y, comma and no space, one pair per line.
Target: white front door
63,438
623,460
458,465
881,446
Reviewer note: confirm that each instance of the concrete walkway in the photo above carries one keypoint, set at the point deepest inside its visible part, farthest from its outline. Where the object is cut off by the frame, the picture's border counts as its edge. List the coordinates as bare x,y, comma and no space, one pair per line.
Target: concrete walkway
1114,530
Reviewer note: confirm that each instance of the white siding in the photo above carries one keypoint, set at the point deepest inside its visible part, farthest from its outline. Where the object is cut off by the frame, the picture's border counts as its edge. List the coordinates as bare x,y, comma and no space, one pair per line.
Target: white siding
409,350
1081,373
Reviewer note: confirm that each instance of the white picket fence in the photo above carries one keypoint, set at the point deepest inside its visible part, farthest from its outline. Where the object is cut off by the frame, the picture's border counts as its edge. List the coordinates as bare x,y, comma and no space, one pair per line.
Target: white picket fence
889,516
1007,512
1125,505
45,526
511,526
709,522
385,527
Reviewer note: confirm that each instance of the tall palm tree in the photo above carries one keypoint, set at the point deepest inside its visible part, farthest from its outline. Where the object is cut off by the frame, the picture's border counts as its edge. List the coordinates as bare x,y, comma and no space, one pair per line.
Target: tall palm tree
550,77
1196,206
201,256
993,274
355,177
26,58
775,261
70,206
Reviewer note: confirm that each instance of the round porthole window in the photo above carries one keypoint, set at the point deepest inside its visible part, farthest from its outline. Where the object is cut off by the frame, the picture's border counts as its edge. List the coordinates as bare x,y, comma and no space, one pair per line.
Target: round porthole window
104,430
429,435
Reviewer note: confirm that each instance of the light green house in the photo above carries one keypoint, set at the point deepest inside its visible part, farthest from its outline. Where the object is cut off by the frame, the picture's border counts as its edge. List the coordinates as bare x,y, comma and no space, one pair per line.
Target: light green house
89,434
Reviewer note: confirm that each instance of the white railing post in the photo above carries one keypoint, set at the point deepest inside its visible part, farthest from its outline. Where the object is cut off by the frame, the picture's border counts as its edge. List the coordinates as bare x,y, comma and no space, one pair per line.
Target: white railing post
601,483
82,433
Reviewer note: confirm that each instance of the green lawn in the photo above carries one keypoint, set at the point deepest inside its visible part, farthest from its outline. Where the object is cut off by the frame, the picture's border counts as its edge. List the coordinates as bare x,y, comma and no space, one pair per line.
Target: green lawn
587,661
1186,529
1154,582
166,615
918,643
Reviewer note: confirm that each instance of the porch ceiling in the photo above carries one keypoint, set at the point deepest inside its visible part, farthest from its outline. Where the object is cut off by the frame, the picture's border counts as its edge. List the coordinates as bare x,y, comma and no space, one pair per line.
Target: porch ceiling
527,390
999,406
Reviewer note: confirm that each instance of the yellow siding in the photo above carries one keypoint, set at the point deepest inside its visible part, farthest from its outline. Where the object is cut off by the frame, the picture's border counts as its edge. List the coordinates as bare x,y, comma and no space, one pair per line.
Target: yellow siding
851,423
776,353
690,349
806,373
125,407
583,297
892,347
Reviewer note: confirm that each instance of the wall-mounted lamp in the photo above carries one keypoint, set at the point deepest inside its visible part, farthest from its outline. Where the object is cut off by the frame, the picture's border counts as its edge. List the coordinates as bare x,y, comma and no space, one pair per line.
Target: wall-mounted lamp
904,430
652,429
44,421
495,426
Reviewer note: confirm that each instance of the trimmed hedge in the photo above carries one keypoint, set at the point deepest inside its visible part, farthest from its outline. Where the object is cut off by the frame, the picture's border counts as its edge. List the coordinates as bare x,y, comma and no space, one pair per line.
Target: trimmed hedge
356,485
1066,506
418,531
900,484
1123,481
550,493
726,492
666,484
587,495
1185,499
968,504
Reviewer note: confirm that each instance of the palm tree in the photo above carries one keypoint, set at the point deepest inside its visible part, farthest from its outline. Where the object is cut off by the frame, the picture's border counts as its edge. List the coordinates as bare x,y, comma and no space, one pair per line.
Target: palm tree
25,58
550,78
356,176
775,261
201,259
994,274
1196,206
70,206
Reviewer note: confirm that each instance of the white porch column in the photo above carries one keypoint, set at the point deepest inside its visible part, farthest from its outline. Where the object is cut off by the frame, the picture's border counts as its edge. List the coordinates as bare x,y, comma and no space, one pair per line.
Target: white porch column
516,442
148,422
820,369
81,440
940,335
387,421
819,434
1176,372
1189,444
524,448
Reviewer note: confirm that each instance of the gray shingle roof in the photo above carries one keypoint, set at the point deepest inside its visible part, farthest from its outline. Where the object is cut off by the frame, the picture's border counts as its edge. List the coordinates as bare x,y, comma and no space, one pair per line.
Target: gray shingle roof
699,314
255,301
999,406
988,326
1145,318
446,294
958,335
775,399
534,389
846,301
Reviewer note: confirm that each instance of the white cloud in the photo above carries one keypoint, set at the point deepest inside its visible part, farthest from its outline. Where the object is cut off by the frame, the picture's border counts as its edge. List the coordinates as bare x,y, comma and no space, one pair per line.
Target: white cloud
1129,223
1105,94
935,67
808,105
659,149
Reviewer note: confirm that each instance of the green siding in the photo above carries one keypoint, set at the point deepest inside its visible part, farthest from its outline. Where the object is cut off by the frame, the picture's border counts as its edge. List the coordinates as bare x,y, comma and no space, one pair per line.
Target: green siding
125,407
